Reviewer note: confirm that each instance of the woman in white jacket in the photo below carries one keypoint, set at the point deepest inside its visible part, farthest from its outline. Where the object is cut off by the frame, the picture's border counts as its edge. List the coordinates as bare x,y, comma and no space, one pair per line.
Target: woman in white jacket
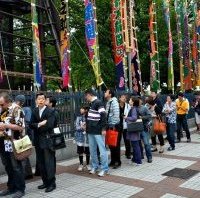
124,110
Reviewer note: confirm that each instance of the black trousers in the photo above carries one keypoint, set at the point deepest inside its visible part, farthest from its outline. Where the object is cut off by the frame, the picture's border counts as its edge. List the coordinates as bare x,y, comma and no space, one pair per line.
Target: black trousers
160,138
47,164
115,152
14,170
182,122
127,143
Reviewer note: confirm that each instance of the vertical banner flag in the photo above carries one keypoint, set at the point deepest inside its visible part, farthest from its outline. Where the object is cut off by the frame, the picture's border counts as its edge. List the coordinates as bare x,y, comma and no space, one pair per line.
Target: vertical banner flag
198,42
37,60
64,44
182,16
154,70
166,6
92,39
118,43
1,74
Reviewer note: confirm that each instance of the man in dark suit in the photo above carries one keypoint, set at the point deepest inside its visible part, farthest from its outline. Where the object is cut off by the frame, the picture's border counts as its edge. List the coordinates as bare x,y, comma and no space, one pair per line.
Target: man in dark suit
43,122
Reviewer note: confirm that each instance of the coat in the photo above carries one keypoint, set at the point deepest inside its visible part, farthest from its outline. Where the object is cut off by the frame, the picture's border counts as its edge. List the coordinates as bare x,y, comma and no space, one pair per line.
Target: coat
41,134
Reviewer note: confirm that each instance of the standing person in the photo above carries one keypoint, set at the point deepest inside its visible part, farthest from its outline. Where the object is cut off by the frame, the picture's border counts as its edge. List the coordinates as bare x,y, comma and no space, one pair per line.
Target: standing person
156,113
43,122
20,100
170,110
11,124
182,106
82,138
145,114
134,137
197,112
113,121
124,108
96,129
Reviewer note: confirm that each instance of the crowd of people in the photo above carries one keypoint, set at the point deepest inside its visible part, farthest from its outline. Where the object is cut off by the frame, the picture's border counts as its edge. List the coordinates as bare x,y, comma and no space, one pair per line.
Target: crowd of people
91,126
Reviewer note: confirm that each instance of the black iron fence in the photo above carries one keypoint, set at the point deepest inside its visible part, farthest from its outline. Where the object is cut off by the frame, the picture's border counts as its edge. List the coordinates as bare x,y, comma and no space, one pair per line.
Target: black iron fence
68,105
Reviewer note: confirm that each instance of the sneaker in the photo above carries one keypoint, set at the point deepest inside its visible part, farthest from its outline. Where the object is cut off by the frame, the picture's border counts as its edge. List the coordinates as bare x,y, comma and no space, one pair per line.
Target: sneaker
138,164
18,194
170,149
189,140
88,167
80,167
102,173
161,149
93,171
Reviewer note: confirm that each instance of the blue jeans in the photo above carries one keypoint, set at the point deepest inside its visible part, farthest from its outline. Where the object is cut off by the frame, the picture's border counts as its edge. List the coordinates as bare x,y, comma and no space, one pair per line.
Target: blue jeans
137,158
94,141
145,138
171,128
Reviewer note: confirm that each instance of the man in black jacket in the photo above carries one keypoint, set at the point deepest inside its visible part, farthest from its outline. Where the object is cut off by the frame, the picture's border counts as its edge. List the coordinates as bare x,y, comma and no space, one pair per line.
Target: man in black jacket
42,122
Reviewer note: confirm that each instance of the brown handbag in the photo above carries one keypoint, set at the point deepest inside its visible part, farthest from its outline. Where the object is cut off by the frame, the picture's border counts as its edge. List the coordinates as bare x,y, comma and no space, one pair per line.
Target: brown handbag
159,127
22,148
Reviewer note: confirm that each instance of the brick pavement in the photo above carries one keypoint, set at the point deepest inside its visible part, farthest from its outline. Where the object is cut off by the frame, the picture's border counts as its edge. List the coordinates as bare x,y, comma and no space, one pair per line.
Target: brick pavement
145,181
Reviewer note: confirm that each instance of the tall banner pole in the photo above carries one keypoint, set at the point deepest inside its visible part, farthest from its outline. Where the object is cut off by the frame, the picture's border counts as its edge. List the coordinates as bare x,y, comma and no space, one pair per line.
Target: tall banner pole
91,34
166,6
37,60
65,44
118,43
154,54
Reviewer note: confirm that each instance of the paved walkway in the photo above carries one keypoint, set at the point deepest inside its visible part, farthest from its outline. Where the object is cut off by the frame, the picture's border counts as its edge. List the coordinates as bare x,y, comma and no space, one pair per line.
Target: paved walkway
145,181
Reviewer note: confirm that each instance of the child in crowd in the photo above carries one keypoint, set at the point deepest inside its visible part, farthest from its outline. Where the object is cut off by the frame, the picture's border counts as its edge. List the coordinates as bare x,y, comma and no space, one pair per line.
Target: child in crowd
81,138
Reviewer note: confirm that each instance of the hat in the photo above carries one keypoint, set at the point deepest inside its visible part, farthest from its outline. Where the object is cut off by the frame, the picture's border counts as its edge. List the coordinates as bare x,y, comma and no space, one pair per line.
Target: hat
20,98
181,94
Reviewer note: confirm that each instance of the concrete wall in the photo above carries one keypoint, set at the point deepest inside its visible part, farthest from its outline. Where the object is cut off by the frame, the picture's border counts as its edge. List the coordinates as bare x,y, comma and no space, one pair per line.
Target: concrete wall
70,150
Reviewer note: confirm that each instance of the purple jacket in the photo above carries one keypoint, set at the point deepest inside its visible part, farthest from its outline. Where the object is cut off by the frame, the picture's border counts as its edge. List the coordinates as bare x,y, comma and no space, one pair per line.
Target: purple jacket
132,117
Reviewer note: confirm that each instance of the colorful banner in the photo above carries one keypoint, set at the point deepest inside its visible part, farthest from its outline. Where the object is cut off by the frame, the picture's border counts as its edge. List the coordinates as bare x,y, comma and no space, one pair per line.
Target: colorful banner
198,43
92,39
37,60
118,42
64,44
154,70
1,74
166,6
184,43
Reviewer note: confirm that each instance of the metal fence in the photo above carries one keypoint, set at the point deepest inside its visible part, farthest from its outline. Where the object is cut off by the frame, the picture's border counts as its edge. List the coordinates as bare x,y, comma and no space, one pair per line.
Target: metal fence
68,105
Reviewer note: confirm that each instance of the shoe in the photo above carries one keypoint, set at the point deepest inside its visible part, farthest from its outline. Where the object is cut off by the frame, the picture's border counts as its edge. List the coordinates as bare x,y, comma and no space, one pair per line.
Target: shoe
149,160
138,164
88,167
102,173
80,167
18,194
111,164
189,140
43,186
93,171
50,188
117,165
178,141
29,177
154,150
6,192
171,148
161,149
128,157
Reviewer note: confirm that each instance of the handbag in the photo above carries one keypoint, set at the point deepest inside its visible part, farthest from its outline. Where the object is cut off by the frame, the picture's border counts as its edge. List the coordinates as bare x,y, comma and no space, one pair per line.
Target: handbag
111,137
159,127
22,148
57,139
135,127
